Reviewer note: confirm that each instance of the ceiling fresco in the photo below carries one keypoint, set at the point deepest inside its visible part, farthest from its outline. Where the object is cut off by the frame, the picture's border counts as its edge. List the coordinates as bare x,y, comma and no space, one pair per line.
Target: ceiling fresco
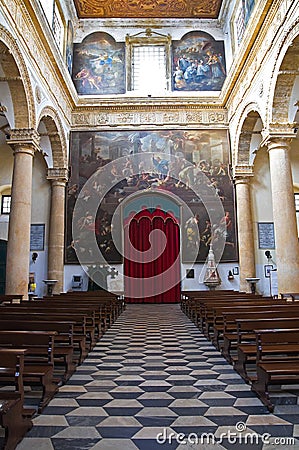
148,8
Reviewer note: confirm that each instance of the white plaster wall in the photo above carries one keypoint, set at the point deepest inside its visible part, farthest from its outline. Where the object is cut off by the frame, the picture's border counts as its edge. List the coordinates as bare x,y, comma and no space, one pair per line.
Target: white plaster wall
119,28
40,212
191,284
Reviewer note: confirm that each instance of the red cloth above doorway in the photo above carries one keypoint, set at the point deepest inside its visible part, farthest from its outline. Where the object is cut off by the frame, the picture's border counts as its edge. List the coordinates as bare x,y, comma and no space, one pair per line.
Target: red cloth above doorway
152,274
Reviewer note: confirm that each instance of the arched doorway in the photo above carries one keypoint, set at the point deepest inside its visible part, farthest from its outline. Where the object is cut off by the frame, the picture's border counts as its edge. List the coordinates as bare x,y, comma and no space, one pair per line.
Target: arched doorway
3,252
152,250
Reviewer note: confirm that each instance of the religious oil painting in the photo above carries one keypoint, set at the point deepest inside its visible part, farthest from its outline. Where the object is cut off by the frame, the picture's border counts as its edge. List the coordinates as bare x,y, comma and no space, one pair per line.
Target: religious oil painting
198,63
99,65
193,165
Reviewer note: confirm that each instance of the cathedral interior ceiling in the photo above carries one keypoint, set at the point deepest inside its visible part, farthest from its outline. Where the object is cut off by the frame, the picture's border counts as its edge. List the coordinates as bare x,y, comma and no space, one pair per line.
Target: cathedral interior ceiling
148,8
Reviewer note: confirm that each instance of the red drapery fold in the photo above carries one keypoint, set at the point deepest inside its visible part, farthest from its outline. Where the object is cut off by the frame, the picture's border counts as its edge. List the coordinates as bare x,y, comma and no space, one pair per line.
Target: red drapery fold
152,274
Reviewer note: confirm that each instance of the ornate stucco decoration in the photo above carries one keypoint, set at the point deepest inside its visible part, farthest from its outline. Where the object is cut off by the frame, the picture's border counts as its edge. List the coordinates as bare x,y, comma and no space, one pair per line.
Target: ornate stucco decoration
40,49
159,117
23,136
59,174
243,171
148,8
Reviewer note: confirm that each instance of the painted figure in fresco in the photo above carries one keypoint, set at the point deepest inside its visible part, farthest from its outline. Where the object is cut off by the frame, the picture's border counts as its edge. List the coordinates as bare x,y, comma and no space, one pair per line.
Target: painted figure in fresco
161,165
88,80
179,79
190,73
203,71
227,222
206,235
192,232
217,69
186,176
183,63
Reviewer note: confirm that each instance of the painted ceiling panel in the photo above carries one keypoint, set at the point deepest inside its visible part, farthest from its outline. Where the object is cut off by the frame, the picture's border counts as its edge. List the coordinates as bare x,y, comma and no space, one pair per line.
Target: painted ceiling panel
148,8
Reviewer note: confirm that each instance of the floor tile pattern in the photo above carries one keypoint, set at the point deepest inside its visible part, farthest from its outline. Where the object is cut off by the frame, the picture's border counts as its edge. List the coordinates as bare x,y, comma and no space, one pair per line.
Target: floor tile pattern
154,382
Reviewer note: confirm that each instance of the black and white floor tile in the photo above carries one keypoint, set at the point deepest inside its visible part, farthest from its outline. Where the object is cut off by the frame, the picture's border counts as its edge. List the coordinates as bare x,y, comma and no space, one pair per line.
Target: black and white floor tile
154,382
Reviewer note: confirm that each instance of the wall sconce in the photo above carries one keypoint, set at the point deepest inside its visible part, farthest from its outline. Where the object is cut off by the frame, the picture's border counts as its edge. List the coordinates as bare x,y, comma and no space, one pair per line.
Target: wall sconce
230,276
34,257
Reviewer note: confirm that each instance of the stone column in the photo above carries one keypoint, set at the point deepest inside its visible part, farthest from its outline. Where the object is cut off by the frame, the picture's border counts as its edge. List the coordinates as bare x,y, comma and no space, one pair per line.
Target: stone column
245,231
58,178
284,214
24,144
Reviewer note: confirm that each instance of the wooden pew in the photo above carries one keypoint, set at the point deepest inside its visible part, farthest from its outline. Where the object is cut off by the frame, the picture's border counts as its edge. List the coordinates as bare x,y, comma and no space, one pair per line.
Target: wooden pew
106,311
13,417
38,362
281,367
247,349
10,298
213,314
78,320
86,313
12,420
220,321
235,324
64,346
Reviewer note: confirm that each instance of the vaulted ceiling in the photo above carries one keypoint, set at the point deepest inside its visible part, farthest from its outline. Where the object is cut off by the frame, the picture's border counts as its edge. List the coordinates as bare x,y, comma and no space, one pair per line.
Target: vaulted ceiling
148,8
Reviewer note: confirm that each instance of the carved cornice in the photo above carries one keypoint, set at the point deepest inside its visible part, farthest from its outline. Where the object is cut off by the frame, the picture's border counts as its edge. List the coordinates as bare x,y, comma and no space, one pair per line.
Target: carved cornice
58,174
23,137
242,171
149,117
278,132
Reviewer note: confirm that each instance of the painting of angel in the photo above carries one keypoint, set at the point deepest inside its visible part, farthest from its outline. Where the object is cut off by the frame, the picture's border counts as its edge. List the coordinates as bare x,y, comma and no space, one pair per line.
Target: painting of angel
99,65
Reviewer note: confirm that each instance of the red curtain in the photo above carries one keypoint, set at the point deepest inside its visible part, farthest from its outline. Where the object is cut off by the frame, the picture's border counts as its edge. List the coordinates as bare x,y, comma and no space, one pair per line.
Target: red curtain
152,263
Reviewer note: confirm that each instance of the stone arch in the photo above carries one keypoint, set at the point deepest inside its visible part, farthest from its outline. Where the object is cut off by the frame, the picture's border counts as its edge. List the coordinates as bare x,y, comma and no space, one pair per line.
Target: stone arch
56,135
16,72
248,128
284,75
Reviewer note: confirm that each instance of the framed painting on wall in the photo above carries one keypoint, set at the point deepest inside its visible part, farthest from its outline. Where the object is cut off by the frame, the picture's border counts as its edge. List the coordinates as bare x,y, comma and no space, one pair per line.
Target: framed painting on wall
99,65
184,163
198,63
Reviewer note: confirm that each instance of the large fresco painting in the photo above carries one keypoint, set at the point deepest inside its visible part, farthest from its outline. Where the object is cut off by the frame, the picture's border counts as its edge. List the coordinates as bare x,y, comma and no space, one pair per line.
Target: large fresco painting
99,65
193,165
198,63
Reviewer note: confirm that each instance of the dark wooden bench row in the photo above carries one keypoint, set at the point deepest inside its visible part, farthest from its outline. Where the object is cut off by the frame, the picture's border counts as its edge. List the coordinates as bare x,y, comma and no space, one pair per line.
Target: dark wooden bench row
258,336
38,366
277,361
10,298
15,420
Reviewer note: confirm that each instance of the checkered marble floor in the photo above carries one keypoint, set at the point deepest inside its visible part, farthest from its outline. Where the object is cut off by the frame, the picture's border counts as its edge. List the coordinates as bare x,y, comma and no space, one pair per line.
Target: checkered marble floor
154,382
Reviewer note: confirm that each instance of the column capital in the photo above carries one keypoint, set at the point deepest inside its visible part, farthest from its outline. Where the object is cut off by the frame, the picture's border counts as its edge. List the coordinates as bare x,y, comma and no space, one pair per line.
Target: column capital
24,140
57,174
278,135
242,173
